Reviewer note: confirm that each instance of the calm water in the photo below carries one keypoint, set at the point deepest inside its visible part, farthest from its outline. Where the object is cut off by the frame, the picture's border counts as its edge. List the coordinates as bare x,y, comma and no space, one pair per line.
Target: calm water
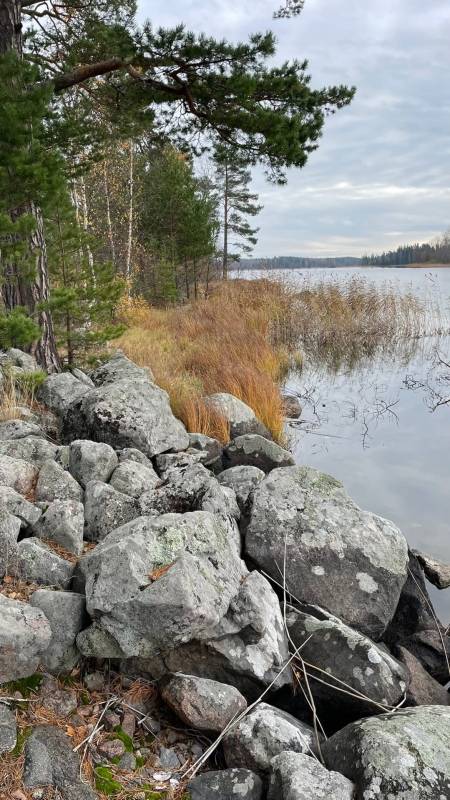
374,427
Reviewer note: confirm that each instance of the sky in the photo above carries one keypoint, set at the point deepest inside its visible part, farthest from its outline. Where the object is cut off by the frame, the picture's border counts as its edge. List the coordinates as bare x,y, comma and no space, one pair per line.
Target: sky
381,175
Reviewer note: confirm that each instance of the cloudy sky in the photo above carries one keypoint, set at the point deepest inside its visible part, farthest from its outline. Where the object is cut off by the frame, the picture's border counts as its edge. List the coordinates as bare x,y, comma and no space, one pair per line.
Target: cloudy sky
381,176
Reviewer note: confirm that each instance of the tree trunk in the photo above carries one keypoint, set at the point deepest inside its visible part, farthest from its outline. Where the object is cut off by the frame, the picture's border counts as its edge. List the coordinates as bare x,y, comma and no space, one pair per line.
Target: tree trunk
225,227
108,216
16,289
130,219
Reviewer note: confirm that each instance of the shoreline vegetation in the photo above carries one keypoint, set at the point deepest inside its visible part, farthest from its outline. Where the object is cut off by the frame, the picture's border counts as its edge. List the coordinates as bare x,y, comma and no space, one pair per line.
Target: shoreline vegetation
247,335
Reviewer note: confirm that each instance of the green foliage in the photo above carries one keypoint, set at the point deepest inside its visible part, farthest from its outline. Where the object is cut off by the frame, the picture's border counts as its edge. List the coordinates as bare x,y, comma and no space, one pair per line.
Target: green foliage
17,329
124,738
26,686
105,781
28,382
22,736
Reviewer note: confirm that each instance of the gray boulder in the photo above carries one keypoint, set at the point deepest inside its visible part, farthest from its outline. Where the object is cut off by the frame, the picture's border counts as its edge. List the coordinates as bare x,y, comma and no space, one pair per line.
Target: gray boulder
39,564
247,649
131,454
17,429
372,678
160,581
66,613
292,407
210,449
167,462
241,418
51,761
81,376
191,488
201,703
117,368
18,474
403,755
423,690
60,390
227,784
17,358
243,480
256,451
105,509
436,571
63,523
348,561
91,461
9,534
131,412
15,503
8,729
264,733
299,777
33,449
25,634
133,479
55,483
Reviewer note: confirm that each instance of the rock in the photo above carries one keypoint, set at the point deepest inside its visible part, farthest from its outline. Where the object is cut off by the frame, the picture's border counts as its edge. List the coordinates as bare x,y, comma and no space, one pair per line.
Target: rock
50,761
60,390
292,407
227,784
299,777
169,462
54,483
247,649
192,488
348,561
160,581
25,634
66,613
15,504
105,509
423,690
18,429
256,451
241,418
243,480
56,699
117,368
91,461
32,449
127,762
81,376
9,534
131,454
111,748
39,564
203,704
63,523
97,641
168,758
264,733
128,724
131,412
8,729
403,755
353,662
18,474
95,682
17,358
133,479
210,449
436,571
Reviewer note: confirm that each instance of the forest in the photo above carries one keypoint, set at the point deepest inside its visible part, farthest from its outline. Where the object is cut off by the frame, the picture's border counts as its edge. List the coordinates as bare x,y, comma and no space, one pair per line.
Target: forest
437,252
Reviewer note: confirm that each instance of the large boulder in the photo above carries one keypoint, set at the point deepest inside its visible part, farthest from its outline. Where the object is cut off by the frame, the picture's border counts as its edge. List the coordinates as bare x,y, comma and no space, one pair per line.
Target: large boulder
91,461
226,784
296,776
160,581
437,572
255,451
247,649
119,367
423,690
128,412
18,429
210,449
105,509
350,676
348,561
18,474
202,703
32,449
243,481
15,503
55,483
60,390
51,761
37,563
403,755
133,479
63,523
9,534
17,358
25,634
264,733
241,418
66,613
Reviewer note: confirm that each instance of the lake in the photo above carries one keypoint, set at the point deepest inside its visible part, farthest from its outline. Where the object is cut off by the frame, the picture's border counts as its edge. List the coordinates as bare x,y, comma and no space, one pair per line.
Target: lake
373,426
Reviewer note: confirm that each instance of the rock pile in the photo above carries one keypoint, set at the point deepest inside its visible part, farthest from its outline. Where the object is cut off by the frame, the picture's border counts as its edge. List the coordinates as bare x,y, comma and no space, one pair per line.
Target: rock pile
251,598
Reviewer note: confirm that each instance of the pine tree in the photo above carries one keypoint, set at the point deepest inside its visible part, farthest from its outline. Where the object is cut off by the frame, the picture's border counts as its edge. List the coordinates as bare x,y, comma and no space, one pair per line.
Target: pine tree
237,202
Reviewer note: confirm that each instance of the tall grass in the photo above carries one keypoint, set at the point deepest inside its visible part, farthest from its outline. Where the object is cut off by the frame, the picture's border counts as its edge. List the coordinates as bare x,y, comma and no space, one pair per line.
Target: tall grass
17,392
245,336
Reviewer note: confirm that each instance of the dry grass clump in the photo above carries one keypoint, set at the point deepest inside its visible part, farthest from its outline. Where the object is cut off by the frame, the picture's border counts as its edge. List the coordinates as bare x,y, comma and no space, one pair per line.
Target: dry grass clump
234,341
17,392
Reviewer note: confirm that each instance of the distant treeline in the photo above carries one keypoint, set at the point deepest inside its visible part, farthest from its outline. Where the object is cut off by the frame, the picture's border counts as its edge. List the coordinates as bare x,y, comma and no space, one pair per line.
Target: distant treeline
437,252
295,262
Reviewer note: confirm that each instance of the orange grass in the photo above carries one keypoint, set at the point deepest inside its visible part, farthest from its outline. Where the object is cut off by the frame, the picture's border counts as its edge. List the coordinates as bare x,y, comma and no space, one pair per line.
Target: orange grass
234,341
